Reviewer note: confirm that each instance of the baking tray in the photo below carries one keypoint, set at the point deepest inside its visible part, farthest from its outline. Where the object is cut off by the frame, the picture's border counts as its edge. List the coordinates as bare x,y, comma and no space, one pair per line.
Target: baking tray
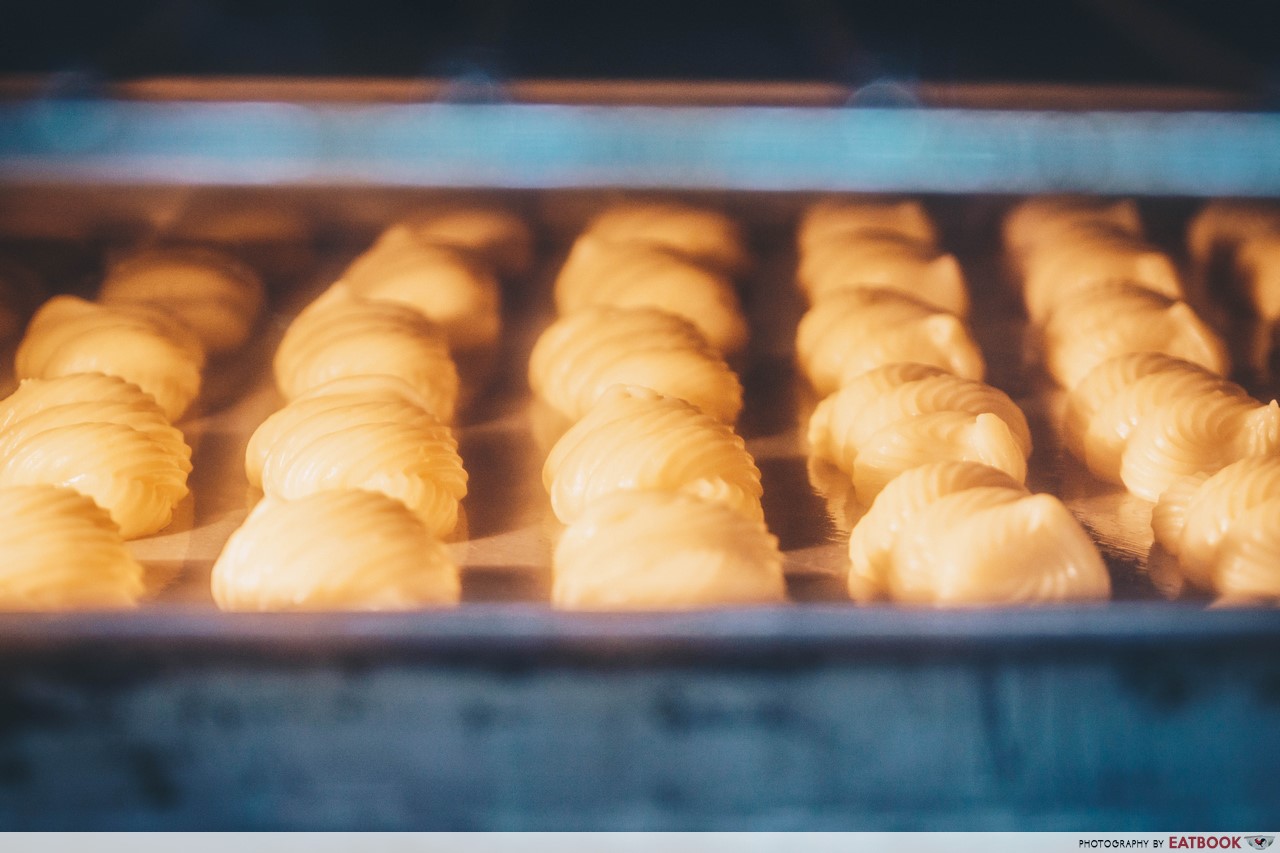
506,714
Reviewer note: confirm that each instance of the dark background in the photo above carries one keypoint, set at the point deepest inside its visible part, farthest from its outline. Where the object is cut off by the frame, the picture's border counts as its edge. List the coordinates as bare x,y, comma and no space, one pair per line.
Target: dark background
1231,45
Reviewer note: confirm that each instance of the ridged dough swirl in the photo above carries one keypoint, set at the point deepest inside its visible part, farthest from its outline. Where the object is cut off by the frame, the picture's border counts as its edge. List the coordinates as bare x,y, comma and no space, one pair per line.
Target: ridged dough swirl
1223,528
415,461
62,552
451,289
1145,420
340,336
850,419
1060,272
996,546
126,472
637,439
499,237
143,345
706,236
889,261
309,416
838,219
581,356
1110,320
1052,220
854,331
334,550
640,275
664,550
961,533
212,293
139,488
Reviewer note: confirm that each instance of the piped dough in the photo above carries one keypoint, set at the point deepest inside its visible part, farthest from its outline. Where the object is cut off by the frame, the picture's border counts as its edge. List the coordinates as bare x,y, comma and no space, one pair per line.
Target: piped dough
143,345
215,295
1111,320
340,336
1146,420
637,550
500,238
312,415
1223,527
636,439
855,331
1060,272
961,534
62,552
703,235
581,356
413,460
334,550
1222,225
839,218
1052,220
124,470
884,261
450,288
640,275
850,419
1105,407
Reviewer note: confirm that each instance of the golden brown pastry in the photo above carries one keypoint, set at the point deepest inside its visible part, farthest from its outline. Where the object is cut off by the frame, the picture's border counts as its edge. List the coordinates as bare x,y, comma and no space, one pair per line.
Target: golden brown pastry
935,437
962,534
1249,554
1223,528
640,275
126,471
380,385
499,237
581,356
1105,407
1145,420
143,415
872,539
854,331
1111,320
449,288
637,439
842,217
34,397
313,415
1196,435
1054,220
335,550
886,261
414,460
850,419
636,550
62,552
340,336
1061,272
212,293
702,235
995,546
142,345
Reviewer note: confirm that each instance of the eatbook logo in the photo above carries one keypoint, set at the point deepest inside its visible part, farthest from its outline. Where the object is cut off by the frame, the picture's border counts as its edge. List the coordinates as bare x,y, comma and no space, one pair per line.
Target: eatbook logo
1261,842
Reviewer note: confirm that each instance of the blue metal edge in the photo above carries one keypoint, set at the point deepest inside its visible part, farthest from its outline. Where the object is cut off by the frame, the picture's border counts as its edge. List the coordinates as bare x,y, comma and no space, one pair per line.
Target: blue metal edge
907,149
731,632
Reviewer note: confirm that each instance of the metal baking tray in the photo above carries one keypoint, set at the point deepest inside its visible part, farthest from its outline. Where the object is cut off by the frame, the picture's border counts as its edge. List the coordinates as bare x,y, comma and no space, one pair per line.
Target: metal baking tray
507,714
